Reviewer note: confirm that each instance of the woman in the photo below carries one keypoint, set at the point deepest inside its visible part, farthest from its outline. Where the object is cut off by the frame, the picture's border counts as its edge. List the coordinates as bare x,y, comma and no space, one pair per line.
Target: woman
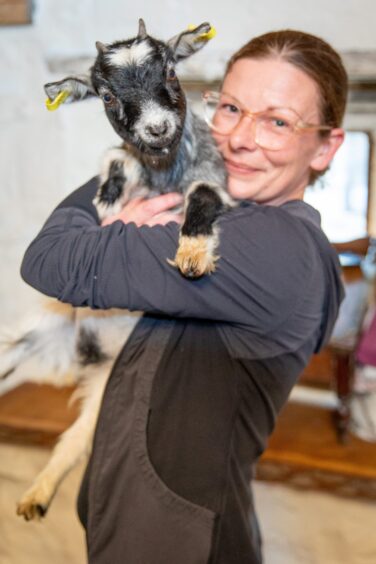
195,392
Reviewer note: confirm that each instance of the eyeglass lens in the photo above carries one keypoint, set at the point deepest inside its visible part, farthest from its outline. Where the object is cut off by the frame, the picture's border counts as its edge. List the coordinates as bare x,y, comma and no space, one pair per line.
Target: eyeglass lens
272,128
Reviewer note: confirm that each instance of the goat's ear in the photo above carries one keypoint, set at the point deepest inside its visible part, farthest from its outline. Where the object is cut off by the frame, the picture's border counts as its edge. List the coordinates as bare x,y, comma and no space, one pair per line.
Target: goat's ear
190,41
77,87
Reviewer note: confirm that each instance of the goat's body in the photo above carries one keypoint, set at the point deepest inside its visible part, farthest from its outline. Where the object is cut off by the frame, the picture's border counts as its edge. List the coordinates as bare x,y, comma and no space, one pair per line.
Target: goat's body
165,148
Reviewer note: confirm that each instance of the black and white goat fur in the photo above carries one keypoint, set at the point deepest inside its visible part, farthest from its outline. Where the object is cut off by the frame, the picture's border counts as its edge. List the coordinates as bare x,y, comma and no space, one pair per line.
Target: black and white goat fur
165,147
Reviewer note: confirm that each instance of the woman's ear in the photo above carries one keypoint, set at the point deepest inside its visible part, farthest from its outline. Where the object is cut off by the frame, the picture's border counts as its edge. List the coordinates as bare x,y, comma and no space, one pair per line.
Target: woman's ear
327,149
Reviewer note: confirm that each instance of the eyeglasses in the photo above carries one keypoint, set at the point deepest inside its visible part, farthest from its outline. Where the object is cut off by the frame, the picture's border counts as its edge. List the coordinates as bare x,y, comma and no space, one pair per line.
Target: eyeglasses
273,128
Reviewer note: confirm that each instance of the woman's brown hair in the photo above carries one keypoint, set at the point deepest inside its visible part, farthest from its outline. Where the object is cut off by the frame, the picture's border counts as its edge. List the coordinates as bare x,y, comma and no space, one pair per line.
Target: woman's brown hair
312,55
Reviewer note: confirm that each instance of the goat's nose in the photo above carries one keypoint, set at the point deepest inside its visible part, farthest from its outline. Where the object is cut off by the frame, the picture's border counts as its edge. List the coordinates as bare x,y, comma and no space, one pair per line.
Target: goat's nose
157,129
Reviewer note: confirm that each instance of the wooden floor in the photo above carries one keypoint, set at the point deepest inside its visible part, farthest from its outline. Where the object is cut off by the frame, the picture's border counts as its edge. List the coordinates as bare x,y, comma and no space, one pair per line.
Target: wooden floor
303,451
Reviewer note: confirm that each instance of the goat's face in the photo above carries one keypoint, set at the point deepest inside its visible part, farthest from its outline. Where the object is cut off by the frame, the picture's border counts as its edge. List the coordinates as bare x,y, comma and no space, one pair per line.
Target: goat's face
137,82
141,94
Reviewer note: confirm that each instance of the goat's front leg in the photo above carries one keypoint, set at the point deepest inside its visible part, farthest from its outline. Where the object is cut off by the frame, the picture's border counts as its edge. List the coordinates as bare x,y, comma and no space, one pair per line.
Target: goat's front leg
72,446
119,180
198,241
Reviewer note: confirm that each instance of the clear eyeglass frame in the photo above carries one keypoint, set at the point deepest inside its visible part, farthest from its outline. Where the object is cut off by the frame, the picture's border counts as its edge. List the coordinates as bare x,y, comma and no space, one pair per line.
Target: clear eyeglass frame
273,129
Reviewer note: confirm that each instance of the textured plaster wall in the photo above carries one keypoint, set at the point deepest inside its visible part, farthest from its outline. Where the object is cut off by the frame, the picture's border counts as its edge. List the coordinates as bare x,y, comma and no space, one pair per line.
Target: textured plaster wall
69,27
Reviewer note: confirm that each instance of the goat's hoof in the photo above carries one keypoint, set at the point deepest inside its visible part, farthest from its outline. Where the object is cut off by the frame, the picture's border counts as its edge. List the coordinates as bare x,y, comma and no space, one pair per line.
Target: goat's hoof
31,509
195,257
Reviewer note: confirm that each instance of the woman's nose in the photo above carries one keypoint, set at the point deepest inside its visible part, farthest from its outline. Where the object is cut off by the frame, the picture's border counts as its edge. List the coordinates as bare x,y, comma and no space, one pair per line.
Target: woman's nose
243,136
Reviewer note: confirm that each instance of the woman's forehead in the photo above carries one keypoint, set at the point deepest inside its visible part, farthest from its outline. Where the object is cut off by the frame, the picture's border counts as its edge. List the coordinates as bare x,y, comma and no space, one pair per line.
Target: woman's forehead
273,82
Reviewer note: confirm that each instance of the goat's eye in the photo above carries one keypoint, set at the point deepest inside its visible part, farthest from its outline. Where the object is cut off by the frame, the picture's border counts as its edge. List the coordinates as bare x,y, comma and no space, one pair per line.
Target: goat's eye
171,74
107,98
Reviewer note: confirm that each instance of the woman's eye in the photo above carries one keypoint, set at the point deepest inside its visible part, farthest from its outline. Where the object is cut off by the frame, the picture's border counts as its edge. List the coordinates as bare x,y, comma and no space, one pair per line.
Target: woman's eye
233,109
230,108
280,122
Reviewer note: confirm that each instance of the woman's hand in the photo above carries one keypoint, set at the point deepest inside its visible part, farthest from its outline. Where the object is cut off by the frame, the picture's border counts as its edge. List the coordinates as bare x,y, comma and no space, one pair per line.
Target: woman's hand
153,211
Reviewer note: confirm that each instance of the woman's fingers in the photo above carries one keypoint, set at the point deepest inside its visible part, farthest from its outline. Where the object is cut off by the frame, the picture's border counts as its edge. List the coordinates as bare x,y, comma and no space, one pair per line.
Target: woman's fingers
164,218
149,212
128,211
162,203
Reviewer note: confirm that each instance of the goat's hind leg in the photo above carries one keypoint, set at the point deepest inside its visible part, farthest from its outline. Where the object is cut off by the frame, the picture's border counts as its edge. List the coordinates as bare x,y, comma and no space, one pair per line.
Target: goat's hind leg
42,352
198,241
73,445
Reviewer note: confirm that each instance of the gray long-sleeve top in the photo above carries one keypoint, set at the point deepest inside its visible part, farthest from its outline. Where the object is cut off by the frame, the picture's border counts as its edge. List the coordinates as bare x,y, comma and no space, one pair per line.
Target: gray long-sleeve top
277,282
195,392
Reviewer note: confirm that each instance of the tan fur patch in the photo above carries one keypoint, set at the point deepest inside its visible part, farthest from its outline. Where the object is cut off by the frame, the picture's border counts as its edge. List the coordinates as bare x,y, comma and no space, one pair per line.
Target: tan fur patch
59,308
195,255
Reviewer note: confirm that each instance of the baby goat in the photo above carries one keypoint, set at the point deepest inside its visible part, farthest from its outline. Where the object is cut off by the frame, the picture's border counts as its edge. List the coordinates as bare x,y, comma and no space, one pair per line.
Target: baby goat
165,147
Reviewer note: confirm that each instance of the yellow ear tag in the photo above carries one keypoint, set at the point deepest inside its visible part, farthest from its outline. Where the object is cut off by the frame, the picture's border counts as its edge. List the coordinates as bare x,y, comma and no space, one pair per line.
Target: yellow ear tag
52,105
205,36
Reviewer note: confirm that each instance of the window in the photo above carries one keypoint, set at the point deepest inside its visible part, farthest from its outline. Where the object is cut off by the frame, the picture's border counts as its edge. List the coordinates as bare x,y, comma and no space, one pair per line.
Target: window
341,195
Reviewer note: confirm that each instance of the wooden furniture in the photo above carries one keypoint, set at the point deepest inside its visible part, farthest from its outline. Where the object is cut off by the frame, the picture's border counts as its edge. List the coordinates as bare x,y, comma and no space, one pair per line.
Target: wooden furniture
304,452
334,366
36,414
343,359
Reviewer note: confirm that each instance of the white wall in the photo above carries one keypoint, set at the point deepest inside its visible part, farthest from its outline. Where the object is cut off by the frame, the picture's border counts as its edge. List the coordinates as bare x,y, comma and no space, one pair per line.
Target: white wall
71,27
45,155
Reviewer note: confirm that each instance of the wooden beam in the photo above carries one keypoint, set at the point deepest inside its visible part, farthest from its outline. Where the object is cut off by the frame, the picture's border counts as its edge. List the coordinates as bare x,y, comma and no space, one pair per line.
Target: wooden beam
15,12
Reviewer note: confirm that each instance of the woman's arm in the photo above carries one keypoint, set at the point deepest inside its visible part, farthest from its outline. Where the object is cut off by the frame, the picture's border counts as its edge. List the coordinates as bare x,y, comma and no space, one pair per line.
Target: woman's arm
263,269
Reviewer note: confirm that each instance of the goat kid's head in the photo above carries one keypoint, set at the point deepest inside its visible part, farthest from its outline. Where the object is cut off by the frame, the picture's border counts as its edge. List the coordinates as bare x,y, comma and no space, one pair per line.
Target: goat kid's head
136,80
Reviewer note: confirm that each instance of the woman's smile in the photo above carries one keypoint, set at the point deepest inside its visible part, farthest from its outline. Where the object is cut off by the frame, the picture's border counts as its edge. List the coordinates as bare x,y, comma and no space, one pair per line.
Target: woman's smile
240,168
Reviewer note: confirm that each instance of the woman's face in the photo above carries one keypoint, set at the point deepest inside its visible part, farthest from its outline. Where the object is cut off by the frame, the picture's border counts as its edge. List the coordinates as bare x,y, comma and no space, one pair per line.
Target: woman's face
261,175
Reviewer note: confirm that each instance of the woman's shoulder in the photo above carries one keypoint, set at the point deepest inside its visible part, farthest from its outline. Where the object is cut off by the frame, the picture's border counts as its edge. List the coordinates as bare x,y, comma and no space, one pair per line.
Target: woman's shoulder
294,227
285,245
294,209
